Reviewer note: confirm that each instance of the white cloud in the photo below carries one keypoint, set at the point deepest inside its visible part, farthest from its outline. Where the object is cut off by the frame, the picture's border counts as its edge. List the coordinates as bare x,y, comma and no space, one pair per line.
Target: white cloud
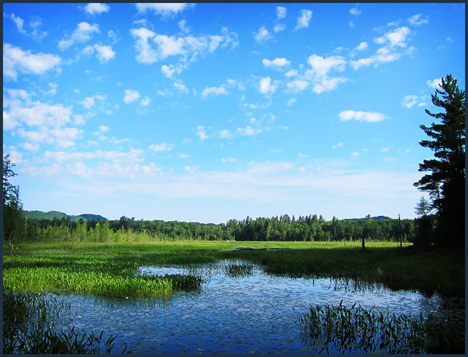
229,159
88,102
248,130
201,132
362,116
19,22
145,53
291,73
104,128
279,27
36,34
338,145
225,134
96,8
34,113
262,35
354,11
131,95
435,83
183,26
112,35
277,63
395,38
183,156
30,147
190,169
362,62
304,19
321,66
416,21
291,102
188,47
409,100
385,149
161,147
14,59
168,71
164,9
266,86
355,154
302,156
169,45
213,91
319,72
362,46
104,53
281,12
145,101
181,87
297,85
83,33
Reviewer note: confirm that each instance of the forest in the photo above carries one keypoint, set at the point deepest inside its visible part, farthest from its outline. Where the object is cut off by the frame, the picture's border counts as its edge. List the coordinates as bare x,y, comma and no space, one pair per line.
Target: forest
280,228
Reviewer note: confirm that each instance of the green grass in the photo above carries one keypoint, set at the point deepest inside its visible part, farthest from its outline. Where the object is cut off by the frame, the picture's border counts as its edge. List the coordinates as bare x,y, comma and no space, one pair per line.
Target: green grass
110,269
358,330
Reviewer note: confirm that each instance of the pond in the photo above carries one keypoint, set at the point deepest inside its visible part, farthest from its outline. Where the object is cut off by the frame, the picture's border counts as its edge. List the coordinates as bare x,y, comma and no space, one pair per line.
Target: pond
240,309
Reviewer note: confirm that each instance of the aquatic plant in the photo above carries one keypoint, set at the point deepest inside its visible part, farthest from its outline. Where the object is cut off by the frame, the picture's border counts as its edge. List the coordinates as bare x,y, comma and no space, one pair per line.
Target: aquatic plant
359,330
239,269
30,325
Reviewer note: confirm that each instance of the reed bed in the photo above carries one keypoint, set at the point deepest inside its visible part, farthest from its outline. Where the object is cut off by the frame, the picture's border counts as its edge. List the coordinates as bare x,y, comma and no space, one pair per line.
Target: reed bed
357,330
33,323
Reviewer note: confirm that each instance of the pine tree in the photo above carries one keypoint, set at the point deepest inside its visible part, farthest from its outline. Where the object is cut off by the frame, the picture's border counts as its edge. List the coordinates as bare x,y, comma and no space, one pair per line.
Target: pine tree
446,183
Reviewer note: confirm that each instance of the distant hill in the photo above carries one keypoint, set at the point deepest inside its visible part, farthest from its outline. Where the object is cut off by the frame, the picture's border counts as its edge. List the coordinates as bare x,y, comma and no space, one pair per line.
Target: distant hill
378,218
56,214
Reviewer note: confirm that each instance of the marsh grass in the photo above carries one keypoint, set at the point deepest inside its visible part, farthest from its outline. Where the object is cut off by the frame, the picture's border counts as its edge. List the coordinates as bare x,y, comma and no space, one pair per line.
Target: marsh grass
357,330
239,269
30,325
104,268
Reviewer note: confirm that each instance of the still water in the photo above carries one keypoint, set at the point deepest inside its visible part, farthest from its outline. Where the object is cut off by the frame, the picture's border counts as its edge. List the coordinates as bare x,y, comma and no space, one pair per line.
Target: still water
254,313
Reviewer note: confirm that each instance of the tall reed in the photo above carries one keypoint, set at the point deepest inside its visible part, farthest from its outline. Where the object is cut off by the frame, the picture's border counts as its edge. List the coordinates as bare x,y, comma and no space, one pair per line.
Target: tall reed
359,330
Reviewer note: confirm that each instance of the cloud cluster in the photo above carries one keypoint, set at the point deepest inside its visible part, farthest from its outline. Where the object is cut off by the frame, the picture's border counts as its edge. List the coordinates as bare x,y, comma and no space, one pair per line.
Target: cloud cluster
35,25
164,9
410,100
83,33
185,47
391,41
361,116
16,60
103,53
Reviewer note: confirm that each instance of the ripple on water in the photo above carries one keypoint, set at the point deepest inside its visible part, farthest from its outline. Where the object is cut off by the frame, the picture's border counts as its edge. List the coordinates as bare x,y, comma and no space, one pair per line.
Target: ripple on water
245,314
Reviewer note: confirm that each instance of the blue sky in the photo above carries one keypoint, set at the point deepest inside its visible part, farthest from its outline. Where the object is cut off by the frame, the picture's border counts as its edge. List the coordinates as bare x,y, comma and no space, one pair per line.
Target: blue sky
208,112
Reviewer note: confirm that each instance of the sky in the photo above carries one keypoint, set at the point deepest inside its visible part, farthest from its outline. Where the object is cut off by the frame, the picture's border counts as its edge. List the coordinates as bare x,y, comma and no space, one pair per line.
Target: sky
212,112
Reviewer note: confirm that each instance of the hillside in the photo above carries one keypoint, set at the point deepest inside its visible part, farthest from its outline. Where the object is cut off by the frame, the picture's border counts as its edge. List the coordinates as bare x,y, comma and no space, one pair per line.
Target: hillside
56,214
378,218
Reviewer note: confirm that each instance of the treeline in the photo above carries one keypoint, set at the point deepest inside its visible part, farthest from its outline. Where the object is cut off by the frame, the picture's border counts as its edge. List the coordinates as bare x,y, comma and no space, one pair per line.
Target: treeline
282,228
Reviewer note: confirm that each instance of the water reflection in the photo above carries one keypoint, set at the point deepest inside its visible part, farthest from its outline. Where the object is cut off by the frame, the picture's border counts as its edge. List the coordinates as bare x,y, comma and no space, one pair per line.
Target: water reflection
240,309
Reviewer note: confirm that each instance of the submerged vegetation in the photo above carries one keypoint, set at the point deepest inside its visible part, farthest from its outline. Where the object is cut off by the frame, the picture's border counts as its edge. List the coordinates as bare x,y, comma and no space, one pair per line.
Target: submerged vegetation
35,323
358,330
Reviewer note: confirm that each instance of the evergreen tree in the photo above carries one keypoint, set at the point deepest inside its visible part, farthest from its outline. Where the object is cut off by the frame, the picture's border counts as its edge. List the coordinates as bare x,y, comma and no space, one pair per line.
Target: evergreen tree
13,218
446,182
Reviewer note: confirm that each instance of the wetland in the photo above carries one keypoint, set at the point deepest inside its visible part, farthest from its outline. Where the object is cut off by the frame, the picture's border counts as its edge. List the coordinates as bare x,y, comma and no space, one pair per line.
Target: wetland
214,298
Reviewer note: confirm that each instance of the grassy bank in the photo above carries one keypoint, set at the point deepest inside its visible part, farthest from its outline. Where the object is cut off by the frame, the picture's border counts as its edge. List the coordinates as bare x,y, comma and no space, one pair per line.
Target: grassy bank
111,269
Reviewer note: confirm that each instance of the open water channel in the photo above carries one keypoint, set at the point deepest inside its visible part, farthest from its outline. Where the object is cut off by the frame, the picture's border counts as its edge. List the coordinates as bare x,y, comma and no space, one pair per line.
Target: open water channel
250,313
